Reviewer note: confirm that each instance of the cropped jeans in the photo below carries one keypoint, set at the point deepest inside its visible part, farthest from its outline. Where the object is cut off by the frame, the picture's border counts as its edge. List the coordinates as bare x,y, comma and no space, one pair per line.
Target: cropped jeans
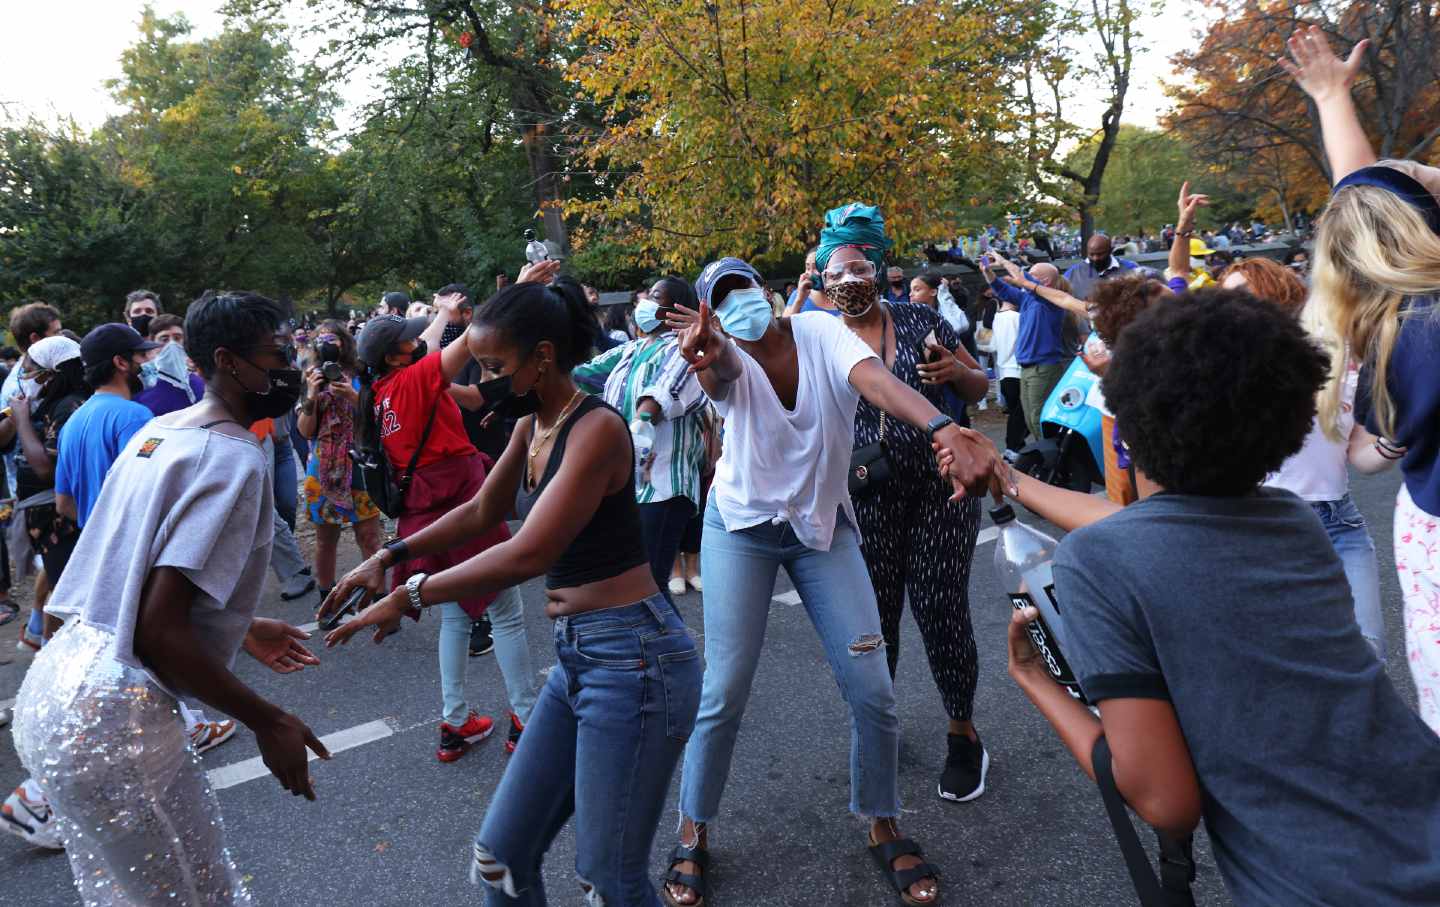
1351,538
512,653
601,745
834,585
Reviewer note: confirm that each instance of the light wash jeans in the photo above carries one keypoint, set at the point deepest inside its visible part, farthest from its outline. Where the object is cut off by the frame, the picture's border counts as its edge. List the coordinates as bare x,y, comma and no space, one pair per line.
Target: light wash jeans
1351,538
739,569
512,651
601,746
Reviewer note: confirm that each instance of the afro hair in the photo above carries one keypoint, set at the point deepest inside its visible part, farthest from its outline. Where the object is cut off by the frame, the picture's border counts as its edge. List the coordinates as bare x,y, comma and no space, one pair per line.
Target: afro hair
1213,392
1115,303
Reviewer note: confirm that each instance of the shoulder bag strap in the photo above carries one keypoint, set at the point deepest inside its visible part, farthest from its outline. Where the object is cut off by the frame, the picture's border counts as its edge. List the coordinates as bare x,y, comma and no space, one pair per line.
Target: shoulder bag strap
415,457
1177,868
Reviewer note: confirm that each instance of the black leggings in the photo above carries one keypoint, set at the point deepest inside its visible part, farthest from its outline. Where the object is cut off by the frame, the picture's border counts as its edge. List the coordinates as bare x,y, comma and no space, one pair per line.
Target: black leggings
1015,427
918,541
663,525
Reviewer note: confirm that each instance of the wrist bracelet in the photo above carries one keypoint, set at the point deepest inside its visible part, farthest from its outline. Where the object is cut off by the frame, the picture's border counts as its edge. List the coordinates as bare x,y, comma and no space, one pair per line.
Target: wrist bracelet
1387,450
398,549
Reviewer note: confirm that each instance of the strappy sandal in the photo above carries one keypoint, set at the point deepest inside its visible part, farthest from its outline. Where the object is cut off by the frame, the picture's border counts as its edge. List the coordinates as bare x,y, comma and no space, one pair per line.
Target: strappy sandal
887,852
8,611
695,883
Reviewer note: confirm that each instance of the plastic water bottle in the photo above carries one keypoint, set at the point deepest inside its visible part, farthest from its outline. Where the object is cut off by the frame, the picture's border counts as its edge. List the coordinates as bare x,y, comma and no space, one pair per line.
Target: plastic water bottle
1023,558
643,435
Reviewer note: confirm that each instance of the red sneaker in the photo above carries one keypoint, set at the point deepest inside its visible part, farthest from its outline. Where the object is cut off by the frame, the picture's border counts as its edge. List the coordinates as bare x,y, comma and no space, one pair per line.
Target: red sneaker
455,740
515,730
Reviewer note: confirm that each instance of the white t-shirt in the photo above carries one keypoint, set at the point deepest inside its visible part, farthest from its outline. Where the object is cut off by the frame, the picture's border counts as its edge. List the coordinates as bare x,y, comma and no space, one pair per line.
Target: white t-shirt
1320,471
793,466
1005,329
188,498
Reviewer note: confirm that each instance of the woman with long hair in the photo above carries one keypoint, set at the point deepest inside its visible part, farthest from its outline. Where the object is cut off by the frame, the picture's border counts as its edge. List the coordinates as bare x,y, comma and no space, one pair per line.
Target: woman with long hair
614,715
334,496
1375,283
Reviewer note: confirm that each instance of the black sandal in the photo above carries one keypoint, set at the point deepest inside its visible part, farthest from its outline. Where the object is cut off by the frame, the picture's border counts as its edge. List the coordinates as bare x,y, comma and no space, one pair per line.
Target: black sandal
887,852
8,611
695,883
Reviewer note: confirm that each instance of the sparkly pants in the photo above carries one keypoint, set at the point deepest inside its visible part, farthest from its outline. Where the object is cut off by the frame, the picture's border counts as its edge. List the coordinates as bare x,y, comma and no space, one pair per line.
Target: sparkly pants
139,820
1417,560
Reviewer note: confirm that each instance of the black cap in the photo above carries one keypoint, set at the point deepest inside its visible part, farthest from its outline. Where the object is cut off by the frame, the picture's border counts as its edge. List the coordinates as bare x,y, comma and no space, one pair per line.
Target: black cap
381,334
453,288
395,299
110,340
1002,514
529,234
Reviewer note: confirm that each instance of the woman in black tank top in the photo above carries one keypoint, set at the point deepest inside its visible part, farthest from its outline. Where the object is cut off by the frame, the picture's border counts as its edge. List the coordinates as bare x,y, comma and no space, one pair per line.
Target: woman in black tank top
627,683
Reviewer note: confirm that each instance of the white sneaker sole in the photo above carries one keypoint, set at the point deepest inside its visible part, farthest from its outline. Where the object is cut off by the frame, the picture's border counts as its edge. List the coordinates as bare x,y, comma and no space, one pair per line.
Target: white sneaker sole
46,836
676,587
215,741
478,737
980,789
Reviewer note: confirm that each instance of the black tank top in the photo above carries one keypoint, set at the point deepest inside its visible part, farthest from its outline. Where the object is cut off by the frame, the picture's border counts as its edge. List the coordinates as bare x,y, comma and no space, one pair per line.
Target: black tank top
611,542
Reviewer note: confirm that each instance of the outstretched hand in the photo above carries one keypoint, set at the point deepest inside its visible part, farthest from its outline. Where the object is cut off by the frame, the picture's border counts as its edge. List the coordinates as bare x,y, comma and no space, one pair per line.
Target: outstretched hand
1318,71
1012,270
384,616
700,343
276,645
539,272
1188,205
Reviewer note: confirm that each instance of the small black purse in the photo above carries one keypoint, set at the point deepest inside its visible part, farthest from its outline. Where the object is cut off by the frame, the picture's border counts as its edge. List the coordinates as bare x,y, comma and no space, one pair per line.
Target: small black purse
870,466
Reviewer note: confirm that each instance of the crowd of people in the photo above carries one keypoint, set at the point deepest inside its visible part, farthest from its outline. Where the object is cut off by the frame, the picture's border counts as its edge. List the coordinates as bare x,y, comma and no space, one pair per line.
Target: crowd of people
718,432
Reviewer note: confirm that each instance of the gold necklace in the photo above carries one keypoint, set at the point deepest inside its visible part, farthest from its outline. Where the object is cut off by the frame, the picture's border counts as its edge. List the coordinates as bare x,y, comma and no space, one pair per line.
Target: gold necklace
544,436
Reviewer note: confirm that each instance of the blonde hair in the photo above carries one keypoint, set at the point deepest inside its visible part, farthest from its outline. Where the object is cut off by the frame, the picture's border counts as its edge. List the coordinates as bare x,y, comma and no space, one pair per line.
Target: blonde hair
1372,250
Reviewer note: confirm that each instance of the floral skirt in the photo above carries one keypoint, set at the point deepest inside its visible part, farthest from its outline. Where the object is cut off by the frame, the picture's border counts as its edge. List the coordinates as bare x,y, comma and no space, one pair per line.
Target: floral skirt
324,512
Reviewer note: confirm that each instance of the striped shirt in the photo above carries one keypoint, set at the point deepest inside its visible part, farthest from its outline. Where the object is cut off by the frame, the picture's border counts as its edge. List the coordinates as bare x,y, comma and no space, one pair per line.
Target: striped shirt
653,367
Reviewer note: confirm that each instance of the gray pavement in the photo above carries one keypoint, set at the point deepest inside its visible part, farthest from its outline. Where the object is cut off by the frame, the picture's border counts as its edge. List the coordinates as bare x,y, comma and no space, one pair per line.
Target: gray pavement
394,827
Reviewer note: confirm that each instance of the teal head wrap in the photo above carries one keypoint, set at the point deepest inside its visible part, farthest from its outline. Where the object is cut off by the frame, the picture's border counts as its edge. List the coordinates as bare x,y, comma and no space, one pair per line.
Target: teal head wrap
861,226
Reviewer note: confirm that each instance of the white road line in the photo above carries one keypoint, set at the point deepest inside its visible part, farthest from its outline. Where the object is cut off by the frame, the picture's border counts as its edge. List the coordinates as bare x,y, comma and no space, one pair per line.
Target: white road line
250,769
788,598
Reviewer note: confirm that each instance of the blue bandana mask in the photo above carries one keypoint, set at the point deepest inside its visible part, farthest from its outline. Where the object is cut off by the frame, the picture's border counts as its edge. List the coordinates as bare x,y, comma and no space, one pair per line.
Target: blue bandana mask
746,314
647,315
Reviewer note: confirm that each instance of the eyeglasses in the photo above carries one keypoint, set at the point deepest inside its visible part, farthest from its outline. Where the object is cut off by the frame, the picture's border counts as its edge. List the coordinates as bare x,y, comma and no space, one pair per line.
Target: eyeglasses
862,269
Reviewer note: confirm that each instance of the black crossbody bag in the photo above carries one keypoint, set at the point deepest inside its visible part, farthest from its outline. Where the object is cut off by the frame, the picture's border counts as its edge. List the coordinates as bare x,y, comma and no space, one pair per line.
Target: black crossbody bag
385,490
870,466
1177,862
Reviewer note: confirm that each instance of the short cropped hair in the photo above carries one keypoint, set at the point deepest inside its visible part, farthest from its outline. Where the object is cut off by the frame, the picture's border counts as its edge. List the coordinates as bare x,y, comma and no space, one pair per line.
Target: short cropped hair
1213,392
236,320
32,318
165,322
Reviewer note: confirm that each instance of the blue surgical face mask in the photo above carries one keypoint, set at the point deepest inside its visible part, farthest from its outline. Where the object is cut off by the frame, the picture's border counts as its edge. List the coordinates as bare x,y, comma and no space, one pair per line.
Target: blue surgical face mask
746,314
647,315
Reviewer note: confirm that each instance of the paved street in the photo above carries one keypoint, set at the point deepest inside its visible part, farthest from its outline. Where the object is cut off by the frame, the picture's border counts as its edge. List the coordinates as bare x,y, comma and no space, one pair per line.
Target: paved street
394,827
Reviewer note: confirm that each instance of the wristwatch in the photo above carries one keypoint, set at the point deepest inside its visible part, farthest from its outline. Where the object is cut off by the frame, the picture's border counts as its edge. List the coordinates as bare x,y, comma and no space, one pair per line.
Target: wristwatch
412,589
937,423
399,551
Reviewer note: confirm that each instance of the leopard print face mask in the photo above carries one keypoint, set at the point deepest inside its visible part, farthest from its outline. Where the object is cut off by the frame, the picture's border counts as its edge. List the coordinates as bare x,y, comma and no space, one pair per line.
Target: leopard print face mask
853,297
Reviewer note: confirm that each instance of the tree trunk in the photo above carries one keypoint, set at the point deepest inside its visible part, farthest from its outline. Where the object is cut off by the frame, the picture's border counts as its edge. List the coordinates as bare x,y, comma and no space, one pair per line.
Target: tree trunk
546,182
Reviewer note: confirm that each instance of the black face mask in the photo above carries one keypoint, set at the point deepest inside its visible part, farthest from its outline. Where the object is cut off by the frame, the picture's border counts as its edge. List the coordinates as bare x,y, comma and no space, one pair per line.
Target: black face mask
329,352
133,379
420,350
284,392
504,402
141,324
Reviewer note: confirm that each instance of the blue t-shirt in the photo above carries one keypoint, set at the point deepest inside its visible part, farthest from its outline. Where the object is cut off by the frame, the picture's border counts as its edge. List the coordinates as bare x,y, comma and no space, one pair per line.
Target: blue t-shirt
1319,784
89,444
810,306
1040,340
1413,379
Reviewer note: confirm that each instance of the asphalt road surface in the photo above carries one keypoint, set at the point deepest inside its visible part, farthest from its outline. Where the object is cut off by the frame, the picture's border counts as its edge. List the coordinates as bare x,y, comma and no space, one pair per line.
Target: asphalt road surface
393,826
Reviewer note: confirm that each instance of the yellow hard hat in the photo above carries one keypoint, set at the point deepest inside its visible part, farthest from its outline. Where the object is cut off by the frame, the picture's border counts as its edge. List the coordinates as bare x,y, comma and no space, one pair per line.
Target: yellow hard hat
1198,249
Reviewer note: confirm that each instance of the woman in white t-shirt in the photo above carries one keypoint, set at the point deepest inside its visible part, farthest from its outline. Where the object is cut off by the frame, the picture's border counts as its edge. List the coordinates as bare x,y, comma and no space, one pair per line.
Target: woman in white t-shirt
158,598
1005,331
788,391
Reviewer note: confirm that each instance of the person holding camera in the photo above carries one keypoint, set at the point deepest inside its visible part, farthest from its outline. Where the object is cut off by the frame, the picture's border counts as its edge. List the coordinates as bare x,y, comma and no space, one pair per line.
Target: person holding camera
408,413
333,498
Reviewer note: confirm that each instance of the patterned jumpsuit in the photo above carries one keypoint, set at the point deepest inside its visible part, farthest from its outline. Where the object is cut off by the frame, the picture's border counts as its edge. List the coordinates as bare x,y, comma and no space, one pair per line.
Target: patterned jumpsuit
913,537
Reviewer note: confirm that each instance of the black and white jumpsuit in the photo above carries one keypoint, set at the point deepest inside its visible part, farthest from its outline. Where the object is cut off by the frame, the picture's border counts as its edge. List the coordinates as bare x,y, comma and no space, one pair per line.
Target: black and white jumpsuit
913,537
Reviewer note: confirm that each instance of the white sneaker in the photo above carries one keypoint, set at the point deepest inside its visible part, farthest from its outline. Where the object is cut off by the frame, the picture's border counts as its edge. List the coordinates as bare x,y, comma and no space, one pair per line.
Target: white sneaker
32,820
209,734
677,585
697,583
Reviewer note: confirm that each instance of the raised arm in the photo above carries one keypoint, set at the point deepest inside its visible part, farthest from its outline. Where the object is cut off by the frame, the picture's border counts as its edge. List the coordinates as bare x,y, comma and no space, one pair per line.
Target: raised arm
711,354
1053,295
1327,79
1187,206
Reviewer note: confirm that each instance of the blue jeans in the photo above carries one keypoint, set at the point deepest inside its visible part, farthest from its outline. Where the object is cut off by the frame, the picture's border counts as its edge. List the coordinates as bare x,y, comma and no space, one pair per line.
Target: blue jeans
739,569
1351,538
512,652
601,745
287,483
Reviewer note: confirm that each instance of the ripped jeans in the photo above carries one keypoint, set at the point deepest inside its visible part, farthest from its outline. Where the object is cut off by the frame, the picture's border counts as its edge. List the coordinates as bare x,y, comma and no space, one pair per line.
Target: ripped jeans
601,745
834,585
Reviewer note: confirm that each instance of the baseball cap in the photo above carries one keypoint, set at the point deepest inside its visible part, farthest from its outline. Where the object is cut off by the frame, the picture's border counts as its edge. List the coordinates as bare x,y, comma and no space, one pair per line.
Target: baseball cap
110,340
383,333
395,299
715,270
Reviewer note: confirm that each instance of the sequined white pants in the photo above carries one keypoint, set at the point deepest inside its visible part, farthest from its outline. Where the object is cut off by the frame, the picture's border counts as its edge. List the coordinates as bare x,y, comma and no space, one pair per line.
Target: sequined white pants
139,820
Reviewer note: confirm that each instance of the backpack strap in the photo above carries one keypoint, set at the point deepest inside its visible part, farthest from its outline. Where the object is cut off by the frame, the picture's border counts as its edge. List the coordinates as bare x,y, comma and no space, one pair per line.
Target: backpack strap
1177,865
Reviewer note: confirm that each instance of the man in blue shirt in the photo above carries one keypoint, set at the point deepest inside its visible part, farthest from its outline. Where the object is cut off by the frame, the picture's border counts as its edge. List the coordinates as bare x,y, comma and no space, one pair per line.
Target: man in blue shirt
1040,347
97,432
1100,264
897,288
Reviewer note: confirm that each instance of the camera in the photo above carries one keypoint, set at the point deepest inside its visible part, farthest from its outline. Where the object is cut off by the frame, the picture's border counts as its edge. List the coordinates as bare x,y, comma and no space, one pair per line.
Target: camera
332,371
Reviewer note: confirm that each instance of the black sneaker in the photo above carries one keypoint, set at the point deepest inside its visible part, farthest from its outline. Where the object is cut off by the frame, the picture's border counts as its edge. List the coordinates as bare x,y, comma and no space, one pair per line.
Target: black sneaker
964,777
481,642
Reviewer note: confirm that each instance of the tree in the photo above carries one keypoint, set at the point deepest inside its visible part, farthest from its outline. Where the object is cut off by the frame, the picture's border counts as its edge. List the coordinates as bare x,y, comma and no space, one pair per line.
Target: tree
1111,26
731,128
1146,168
1244,113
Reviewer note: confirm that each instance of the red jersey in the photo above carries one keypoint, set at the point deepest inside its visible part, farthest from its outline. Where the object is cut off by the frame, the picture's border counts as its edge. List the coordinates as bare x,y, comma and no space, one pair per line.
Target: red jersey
404,400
